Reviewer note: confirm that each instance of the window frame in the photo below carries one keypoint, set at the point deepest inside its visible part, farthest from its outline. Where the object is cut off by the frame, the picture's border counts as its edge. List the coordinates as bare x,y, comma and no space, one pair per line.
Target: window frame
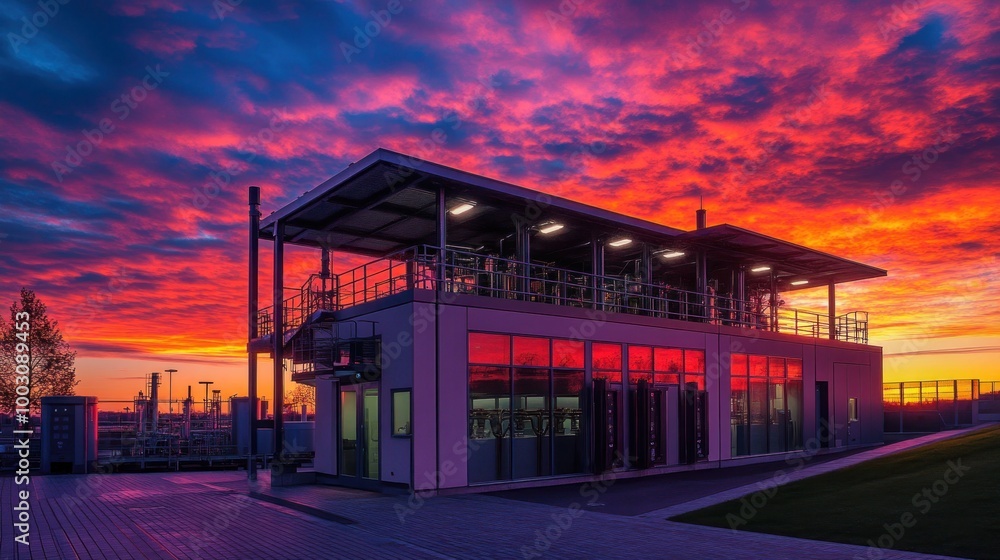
392,413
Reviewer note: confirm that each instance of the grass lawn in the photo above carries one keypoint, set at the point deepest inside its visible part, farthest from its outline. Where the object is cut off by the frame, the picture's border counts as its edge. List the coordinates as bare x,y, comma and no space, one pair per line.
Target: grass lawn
883,502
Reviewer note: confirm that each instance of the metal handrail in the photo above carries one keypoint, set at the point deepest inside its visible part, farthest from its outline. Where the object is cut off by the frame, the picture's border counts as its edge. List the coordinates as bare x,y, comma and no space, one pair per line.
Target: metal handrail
460,271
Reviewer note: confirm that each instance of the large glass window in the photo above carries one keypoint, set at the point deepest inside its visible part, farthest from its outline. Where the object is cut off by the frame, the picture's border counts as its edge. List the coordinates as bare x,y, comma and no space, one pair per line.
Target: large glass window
739,406
668,364
570,444
489,423
607,361
401,414
640,364
765,404
489,348
531,351
525,407
531,431
694,368
567,353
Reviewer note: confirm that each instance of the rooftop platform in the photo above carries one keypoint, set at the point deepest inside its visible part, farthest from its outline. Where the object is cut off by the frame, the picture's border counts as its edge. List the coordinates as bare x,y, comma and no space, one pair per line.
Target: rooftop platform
429,226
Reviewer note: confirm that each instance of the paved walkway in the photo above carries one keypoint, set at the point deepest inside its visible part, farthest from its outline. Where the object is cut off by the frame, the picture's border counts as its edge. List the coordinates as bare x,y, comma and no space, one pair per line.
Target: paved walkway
787,474
221,515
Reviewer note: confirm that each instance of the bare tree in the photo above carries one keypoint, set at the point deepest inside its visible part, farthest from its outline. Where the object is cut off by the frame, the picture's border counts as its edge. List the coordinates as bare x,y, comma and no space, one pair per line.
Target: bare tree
299,395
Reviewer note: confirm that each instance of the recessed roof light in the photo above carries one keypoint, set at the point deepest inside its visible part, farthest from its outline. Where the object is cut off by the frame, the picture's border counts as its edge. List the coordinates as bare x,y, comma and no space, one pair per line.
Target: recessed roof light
550,227
760,269
800,282
620,242
462,208
672,254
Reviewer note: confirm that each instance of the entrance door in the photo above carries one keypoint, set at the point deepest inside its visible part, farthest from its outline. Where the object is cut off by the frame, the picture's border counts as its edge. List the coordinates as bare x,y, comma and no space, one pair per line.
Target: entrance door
359,431
824,430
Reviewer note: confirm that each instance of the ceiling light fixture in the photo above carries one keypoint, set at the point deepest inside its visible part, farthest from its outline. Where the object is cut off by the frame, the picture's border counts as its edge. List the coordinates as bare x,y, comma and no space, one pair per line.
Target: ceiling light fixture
760,269
620,242
550,227
463,208
800,282
672,254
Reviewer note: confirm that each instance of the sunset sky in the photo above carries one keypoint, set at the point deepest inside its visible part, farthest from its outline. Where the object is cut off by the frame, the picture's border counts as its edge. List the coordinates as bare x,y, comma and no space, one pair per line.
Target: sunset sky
866,129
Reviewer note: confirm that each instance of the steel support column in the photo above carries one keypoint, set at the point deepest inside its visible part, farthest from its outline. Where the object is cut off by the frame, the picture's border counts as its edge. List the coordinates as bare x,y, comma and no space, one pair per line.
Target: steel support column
597,269
279,336
773,302
832,309
442,236
741,296
252,327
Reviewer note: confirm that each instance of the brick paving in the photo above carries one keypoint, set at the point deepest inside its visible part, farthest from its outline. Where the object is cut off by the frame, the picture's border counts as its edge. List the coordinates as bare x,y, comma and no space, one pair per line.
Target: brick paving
214,515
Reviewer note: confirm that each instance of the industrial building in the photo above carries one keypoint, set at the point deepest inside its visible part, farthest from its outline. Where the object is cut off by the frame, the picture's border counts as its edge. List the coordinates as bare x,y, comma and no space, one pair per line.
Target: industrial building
498,336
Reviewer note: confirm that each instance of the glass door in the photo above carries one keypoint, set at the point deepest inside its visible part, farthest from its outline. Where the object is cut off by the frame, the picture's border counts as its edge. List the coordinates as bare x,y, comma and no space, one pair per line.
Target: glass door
359,431
348,431
369,428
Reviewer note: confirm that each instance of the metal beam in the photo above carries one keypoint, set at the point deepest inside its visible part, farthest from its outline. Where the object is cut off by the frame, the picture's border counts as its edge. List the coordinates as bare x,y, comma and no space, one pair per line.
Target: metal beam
278,332
442,235
597,269
832,309
252,327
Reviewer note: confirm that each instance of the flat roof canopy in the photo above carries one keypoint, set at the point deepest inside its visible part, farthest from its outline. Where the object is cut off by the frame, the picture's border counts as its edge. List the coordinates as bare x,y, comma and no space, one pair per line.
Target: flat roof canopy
387,202
731,244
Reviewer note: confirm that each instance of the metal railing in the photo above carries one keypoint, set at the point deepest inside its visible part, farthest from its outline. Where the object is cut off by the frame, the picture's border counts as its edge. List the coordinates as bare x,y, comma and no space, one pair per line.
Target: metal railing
925,406
467,272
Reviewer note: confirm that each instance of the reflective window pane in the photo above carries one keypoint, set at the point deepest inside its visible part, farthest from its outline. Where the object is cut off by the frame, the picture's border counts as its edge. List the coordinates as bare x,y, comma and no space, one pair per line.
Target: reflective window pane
794,368
695,379
487,348
738,417
489,423
635,376
640,358
568,423
607,356
667,378
401,414
531,351
758,366
531,427
776,367
758,416
669,360
694,361
778,433
738,364
567,353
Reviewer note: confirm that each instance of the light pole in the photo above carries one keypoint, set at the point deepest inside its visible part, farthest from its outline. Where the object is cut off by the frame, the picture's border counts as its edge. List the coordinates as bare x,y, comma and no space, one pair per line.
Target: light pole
170,391
206,384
